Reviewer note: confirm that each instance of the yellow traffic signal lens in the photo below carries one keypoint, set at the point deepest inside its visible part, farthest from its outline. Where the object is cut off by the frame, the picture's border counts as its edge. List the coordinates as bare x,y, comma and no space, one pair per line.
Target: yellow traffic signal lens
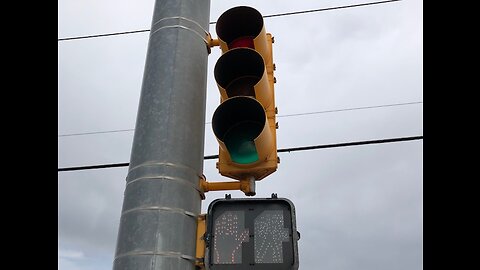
238,71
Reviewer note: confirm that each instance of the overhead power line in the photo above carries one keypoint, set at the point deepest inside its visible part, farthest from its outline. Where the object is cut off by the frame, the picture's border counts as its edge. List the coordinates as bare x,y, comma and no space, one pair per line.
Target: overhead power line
352,109
266,16
304,148
104,35
324,9
286,115
293,149
95,132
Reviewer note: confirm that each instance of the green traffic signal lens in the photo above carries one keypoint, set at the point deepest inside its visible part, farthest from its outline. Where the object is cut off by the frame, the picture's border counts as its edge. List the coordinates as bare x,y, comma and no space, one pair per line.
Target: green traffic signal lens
237,123
240,142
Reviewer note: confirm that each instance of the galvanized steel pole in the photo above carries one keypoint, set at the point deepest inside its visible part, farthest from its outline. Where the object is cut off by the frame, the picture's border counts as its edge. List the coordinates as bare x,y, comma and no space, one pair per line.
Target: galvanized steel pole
162,195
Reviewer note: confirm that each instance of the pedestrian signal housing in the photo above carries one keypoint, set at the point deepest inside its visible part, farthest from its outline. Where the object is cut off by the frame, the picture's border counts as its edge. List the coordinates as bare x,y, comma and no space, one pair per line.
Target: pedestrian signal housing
253,234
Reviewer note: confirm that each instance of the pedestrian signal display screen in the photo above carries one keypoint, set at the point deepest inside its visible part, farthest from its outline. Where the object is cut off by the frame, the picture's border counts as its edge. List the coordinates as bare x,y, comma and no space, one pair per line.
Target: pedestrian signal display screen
229,234
270,234
251,234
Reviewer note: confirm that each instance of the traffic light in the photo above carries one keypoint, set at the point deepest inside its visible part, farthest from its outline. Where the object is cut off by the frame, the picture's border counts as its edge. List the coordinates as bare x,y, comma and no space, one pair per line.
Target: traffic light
244,123
253,234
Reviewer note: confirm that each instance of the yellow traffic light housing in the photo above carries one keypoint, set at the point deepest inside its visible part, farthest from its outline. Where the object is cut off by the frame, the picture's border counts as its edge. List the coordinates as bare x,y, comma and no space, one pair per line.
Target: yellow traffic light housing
244,123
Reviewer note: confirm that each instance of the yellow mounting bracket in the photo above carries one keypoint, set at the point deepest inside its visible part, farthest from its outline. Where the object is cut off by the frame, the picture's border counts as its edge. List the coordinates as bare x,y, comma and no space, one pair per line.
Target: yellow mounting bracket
200,252
247,186
211,42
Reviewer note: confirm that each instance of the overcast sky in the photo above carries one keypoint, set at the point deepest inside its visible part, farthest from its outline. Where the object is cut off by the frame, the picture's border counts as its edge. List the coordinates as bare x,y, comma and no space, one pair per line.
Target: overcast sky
358,207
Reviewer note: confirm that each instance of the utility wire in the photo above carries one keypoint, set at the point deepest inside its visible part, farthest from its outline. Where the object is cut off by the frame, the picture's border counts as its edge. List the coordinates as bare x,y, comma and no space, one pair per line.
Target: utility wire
286,115
293,149
304,148
266,16
95,132
104,35
352,109
323,9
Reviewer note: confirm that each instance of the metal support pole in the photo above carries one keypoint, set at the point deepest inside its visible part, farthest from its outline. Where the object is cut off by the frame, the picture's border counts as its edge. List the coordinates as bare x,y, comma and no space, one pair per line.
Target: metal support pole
162,200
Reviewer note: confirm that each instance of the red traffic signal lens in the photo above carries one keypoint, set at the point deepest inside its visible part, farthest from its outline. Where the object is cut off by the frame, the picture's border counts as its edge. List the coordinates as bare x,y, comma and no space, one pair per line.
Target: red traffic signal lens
242,42
239,23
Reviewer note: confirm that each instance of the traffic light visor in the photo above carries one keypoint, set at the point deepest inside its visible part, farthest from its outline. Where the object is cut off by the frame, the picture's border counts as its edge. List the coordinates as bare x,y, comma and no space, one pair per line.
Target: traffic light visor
238,71
237,123
239,22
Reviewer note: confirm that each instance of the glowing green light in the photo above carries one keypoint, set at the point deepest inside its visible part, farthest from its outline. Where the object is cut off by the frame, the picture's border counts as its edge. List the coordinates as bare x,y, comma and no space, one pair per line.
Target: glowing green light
240,142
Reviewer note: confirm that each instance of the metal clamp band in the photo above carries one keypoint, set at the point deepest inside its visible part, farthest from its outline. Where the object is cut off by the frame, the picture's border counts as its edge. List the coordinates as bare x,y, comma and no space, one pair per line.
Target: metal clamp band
163,171
158,25
164,253
162,208
181,18
165,177
159,163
